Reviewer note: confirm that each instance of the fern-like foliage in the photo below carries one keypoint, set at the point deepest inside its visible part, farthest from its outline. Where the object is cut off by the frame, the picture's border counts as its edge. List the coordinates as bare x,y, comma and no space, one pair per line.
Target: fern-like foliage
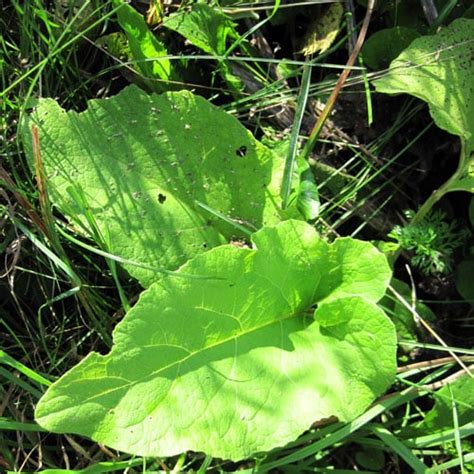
432,241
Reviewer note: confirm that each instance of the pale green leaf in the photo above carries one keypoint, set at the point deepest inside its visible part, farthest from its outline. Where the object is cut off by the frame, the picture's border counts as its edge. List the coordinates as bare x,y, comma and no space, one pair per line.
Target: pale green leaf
142,161
439,70
236,364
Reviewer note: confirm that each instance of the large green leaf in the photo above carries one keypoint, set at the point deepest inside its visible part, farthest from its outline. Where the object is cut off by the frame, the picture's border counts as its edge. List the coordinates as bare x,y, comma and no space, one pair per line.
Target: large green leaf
439,70
143,162
236,364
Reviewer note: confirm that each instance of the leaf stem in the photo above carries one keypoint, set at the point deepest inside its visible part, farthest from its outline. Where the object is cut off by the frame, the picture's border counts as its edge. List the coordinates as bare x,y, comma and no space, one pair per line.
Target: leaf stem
430,11
440,192
444,189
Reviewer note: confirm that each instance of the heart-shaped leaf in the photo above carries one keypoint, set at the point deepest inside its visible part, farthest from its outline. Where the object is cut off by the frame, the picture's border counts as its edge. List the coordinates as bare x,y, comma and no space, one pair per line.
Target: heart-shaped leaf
439,70
138,164
236,363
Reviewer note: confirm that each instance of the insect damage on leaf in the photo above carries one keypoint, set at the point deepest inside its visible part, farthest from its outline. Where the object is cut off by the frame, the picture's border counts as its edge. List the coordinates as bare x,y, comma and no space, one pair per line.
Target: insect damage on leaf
142,162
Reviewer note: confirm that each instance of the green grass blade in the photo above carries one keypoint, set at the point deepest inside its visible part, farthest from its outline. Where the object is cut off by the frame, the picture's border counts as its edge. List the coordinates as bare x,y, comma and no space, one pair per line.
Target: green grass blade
31,374
223,217
12,425
295,131
435,347
98,468
436,439
21,383
450,464
457,434
121,260
398,447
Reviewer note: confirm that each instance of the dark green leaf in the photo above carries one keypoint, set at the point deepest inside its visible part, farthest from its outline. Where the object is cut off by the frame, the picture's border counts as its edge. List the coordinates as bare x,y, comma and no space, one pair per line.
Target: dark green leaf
385,45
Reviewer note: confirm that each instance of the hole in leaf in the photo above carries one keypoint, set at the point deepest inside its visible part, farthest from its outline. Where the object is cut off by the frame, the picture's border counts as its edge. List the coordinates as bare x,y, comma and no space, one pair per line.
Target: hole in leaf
161,198
242,151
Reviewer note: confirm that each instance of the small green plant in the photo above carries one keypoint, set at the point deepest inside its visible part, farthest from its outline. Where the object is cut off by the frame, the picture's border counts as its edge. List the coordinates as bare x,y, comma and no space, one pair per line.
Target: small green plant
431,241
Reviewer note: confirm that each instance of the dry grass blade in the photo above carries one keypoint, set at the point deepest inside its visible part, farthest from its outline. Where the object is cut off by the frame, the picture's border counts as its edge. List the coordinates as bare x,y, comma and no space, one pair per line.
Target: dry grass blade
340,82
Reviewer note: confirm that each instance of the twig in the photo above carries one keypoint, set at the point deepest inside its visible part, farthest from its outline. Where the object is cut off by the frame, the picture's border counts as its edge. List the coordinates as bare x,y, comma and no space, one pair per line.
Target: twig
431,364
430,11
24,203
314,135
419,319
451,378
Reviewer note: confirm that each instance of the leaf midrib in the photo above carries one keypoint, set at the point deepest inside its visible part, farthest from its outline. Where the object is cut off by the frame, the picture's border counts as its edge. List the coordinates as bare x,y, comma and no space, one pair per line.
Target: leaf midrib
190,355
